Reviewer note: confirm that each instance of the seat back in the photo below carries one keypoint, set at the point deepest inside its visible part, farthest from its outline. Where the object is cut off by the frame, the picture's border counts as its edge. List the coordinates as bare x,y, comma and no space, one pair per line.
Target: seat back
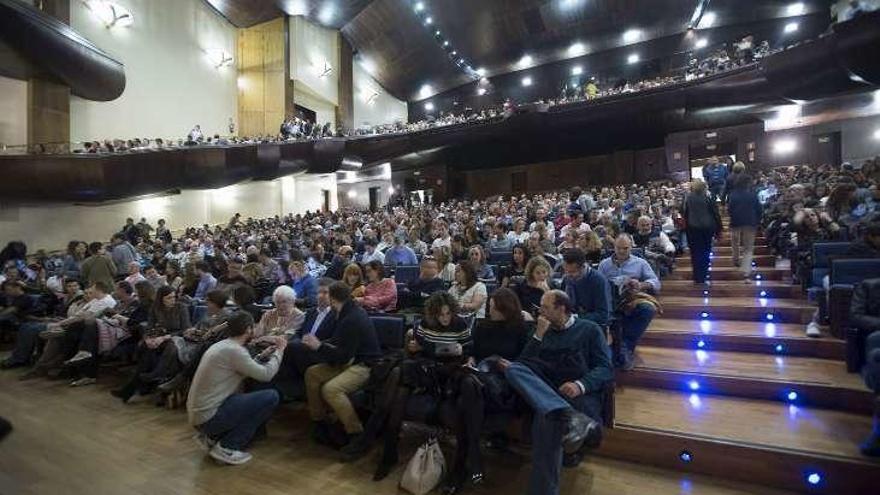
404,274
822,251
501,257
390,331
853,271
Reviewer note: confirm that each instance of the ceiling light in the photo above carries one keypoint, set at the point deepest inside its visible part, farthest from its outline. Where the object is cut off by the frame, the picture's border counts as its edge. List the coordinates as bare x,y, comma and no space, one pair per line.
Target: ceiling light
632,36
877,134
461,61
567,4
326,15
109,13
796,9
702,43
429,20
296,7
481,71
420,6
454,52
527,81
446,43
481,91
791,27
708,20
577,70
576,49
425,91
524,62
633,58
437,33
429,106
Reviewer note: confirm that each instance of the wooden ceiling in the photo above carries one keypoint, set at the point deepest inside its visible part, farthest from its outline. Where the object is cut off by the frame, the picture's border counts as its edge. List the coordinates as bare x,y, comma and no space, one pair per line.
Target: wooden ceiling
393,43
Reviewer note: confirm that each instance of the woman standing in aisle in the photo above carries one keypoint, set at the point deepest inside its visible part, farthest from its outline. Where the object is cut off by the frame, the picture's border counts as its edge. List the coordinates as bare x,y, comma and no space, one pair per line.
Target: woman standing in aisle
703,222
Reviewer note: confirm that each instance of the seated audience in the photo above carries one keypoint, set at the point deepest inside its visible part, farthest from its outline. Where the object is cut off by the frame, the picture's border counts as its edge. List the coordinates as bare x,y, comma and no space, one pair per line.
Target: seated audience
305,286
477,257
515,273
588,290
469,293
536,283
380,293
417,291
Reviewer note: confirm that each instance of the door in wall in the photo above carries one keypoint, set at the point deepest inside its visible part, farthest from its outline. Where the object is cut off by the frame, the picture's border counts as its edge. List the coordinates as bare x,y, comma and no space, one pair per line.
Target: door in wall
826,149
374,198
325,205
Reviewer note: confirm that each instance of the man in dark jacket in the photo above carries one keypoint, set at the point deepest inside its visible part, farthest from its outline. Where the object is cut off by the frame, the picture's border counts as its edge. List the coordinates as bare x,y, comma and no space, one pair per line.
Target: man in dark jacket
865,316
345,365
745,212
561,374
588,290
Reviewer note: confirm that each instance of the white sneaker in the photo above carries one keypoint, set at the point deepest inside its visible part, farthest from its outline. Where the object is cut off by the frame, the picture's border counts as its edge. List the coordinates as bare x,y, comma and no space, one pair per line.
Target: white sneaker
229,456
80,356
813,330
204,442
83,382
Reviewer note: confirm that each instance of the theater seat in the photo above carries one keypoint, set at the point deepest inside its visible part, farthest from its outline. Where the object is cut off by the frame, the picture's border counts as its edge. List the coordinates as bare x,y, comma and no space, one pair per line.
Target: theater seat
503,258
845,273
404,274
390,330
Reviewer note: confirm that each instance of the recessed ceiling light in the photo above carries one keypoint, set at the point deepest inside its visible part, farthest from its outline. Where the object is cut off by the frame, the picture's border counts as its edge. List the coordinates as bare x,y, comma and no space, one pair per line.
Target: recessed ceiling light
525,61
577,70
796,9
426,91
429,106
437,33
791,27
633,58
576,49
481,71
632,36
708,20
702,43
454,52
481,91
429,20
420,6
446,43
527,81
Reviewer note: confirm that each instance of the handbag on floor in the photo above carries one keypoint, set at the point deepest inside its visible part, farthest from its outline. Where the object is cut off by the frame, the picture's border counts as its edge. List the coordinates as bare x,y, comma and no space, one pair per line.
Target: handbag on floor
425,470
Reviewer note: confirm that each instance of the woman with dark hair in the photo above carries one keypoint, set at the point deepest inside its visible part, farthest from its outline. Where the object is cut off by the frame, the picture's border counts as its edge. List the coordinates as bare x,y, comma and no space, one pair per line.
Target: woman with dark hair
71,267
172,275
515,273
380,294
469,293
504,333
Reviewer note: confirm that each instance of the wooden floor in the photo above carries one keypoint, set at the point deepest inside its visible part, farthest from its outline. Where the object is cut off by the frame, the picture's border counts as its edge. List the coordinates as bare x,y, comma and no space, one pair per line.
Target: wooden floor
82,441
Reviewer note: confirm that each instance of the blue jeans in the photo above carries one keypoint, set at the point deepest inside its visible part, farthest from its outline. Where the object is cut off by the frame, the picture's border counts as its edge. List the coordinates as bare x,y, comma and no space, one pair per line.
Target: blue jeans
238,418
546,429
26,341
635,324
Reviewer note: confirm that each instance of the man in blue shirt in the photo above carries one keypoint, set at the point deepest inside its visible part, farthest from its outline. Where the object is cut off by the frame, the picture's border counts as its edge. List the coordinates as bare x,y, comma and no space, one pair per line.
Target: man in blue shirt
304,284
630,273
207,282
588,289
399,254
561,374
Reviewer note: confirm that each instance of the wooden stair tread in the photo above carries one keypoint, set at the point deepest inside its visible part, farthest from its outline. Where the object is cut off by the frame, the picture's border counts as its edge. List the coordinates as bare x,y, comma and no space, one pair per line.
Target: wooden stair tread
740,302
744,365
768,424
770,331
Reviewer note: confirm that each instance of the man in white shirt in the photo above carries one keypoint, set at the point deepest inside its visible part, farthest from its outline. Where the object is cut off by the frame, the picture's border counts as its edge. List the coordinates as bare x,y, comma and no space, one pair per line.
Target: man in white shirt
541,218
443,238
226,418
99,301
577,223
371,253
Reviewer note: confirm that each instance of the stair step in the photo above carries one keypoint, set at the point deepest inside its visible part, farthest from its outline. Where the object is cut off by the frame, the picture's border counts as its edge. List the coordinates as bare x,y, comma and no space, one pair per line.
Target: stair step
685,272
742,336
726,250
732,288
738,308
727,260
817,382
751,440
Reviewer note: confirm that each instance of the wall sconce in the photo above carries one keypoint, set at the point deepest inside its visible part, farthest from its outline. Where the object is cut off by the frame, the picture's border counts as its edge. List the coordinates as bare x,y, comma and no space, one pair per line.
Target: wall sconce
219,58
372,98
111,14
328,70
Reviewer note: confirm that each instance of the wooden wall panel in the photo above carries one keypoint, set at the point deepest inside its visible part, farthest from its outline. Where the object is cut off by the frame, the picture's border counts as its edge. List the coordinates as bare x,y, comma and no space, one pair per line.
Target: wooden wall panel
345,106
263,77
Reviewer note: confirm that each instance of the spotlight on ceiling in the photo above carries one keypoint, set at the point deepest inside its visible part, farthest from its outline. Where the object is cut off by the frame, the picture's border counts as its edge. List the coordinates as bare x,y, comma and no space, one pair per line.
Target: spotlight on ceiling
109,13
327,13
568,4
527,81
437,33
524,62
481,91
708,20
796,9
481,72
791,27
429,106
419,6
633,58
446,43
577,70
632,36
576,49
701,43
425,91
429,20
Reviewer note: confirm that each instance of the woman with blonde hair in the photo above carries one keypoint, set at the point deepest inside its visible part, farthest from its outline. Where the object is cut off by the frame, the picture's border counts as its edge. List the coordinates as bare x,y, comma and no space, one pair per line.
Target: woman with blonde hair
703,222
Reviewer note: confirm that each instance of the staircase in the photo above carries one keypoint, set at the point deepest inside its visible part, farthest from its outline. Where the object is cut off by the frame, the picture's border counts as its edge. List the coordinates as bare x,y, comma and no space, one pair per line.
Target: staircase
727,384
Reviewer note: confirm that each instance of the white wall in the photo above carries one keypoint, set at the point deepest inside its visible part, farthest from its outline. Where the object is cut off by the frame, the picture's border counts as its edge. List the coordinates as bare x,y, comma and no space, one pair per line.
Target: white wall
312,48
324,110
170,82
52,226
372,110
13,112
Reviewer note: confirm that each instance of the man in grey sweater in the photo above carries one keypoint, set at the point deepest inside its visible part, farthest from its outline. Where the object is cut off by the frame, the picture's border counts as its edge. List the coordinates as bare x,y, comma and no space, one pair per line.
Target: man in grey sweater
225,417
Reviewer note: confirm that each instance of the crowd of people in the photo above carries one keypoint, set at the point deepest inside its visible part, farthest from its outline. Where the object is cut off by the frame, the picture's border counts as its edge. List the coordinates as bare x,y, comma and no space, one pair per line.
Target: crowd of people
518,292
